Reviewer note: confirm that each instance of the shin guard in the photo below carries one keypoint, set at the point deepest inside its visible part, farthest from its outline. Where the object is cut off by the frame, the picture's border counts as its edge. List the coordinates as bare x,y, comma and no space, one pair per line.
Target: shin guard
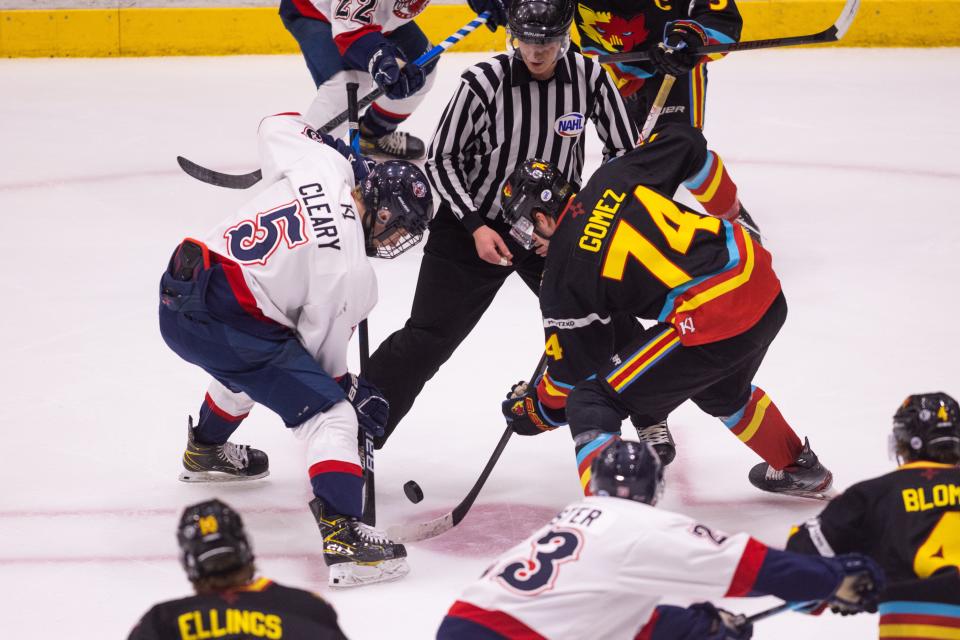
760,426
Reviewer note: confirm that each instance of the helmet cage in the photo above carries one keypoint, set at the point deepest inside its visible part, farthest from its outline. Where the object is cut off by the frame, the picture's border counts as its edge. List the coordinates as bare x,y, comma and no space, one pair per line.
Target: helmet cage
388,236
399,204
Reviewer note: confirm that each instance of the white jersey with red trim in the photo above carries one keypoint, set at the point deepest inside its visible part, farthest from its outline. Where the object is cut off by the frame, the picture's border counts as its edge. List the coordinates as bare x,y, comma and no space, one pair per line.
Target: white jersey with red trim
601,566
299,244
352,19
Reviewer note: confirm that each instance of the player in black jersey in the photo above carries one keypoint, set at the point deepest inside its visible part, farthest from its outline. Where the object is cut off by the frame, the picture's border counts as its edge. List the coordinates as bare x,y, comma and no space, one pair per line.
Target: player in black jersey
668,29
622,247
230,603
908,520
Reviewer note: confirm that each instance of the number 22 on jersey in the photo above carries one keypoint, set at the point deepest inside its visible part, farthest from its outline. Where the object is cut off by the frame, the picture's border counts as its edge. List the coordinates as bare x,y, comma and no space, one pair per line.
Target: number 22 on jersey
678,228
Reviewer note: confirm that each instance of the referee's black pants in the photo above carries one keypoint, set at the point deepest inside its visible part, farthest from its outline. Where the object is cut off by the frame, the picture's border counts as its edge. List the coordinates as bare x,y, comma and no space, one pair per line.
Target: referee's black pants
454,289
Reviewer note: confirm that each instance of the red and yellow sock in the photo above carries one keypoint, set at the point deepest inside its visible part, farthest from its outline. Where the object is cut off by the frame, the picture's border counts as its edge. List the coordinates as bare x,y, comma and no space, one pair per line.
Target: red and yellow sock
760,426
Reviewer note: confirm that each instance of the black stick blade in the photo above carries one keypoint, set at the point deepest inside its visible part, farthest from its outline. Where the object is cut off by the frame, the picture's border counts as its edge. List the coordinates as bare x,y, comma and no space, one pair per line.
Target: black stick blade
218,179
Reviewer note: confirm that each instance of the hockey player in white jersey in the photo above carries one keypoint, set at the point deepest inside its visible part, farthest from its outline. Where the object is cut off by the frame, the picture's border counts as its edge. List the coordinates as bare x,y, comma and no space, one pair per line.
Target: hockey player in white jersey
600,568
373,43
266,303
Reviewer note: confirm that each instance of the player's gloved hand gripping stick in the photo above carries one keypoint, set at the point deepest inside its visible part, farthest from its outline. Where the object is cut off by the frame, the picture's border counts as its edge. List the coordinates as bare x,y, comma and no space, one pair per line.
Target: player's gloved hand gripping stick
414,532
833,33
247,180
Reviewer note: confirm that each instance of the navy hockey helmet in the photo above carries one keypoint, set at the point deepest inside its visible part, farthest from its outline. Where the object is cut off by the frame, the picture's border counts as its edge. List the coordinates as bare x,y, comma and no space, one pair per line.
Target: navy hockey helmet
927,427
540,21
535,186
212,540
399,205
629,470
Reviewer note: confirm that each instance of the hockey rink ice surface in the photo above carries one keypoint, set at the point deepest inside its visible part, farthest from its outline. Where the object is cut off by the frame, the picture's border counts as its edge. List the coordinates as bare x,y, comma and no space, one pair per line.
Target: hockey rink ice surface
846,158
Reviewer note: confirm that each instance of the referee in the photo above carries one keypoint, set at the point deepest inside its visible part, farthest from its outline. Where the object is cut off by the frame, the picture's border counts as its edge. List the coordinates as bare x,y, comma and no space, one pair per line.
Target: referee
532,102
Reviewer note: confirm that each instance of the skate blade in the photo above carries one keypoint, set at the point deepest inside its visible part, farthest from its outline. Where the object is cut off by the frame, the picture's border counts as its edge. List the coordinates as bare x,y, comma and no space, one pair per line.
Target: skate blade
355,574
827,494
217,476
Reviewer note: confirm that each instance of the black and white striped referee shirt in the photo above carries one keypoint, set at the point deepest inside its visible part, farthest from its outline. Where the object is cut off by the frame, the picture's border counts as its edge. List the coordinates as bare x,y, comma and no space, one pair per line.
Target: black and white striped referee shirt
501,116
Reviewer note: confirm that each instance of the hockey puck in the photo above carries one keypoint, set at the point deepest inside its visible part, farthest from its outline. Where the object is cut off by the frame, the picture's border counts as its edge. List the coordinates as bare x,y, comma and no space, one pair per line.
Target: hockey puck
413,491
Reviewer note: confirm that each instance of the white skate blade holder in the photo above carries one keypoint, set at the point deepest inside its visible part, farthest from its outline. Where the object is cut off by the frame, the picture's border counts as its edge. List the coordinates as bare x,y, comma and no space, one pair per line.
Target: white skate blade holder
217,476
355,574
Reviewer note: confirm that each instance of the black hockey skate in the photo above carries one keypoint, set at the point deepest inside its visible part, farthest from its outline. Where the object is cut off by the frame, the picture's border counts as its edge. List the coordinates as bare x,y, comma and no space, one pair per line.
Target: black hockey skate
398,144
657,435
806,477
221,462
356,553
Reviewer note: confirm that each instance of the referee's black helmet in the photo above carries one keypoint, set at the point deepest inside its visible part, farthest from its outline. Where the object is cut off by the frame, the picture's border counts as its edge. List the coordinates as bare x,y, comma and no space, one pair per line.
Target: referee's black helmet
540,21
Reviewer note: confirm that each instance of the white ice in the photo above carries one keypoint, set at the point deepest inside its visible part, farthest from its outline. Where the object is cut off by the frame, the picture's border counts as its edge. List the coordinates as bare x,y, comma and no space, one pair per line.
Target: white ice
846,158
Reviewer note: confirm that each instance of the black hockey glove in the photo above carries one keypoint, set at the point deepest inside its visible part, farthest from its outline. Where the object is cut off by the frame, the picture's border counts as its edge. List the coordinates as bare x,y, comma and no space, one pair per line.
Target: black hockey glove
371,407
724,625
498,11
860,588
674,56
524,413
397,82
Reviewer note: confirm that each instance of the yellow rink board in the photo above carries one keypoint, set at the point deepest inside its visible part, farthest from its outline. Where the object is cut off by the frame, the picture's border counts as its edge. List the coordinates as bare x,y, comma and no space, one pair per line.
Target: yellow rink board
225,31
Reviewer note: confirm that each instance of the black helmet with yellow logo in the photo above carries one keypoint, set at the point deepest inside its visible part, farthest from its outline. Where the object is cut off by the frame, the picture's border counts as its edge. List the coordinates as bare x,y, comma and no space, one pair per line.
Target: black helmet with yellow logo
536,186
927,427
212,540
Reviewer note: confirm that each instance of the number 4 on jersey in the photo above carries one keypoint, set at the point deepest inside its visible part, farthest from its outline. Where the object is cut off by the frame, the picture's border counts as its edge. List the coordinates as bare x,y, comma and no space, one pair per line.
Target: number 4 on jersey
552,348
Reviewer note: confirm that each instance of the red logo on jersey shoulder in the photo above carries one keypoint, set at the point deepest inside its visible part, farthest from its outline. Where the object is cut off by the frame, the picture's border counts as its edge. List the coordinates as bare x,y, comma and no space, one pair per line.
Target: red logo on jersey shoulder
408,9
615,33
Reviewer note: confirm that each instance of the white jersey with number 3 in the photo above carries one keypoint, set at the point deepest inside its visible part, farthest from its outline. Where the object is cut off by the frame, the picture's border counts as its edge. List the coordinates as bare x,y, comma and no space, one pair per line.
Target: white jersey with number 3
298,249
600,568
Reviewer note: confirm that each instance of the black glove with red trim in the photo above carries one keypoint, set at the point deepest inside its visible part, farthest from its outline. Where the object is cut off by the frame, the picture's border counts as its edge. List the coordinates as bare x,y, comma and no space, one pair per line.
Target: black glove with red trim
526,415
675,55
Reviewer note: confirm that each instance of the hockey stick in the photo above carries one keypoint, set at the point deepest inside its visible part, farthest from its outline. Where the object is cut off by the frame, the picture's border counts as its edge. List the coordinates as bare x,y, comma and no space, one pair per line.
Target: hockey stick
834,32
415,532
657,108
369,516
247,180
780,608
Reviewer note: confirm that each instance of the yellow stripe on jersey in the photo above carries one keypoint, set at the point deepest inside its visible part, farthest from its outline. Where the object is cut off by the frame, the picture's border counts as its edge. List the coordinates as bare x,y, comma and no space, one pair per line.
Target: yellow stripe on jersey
727,285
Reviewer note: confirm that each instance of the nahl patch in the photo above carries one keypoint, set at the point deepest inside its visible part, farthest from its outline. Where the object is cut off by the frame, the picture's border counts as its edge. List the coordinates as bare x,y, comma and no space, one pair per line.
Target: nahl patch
569,125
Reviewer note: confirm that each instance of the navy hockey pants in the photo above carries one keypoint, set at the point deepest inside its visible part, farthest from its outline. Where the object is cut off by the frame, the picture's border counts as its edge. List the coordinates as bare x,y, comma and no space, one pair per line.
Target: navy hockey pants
262,359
